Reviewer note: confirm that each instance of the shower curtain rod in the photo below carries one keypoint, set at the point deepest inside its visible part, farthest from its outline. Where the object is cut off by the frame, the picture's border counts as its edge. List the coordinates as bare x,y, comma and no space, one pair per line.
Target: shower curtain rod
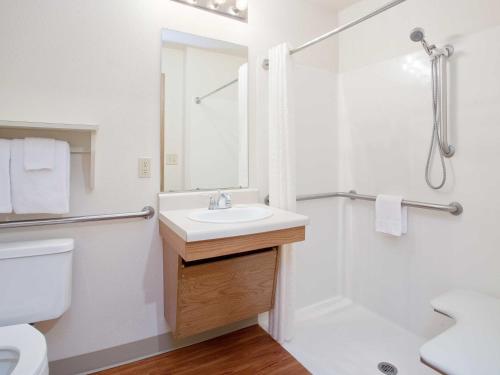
340,29
198,99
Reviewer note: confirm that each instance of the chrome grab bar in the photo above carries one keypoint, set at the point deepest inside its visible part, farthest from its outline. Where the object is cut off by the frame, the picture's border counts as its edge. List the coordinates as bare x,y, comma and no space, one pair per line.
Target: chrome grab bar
453,208
147,213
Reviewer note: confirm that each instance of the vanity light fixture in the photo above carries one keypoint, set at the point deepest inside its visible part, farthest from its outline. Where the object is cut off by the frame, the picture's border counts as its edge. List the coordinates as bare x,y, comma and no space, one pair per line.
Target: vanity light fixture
218,3
237,9
241,5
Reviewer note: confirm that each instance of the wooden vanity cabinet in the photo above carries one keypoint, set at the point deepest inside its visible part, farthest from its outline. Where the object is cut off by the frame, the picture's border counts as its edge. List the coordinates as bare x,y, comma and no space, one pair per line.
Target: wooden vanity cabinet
214,291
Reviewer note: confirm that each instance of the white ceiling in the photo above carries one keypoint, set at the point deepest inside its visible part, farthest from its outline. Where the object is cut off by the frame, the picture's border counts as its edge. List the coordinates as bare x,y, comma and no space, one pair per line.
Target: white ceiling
334,4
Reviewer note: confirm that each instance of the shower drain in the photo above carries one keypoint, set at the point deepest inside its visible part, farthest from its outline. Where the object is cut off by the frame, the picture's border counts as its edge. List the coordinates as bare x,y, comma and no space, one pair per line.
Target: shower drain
387,368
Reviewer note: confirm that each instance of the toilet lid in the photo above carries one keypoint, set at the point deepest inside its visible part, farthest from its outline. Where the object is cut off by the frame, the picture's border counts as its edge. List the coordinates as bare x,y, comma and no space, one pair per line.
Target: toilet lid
31,345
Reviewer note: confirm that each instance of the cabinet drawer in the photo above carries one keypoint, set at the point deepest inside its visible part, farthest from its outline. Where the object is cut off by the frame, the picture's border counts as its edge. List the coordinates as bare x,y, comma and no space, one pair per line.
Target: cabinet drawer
218,292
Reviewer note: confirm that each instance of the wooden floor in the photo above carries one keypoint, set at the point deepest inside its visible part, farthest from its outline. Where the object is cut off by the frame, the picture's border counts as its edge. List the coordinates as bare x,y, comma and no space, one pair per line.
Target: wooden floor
248,351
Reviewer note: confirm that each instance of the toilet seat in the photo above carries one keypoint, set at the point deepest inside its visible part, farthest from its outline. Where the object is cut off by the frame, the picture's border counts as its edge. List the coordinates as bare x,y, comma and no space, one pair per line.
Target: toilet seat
31,346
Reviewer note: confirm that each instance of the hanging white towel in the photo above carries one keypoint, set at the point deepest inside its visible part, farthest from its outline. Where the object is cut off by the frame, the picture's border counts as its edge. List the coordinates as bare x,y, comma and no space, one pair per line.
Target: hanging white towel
391,215
5,197
39,153
282,192
243,125
40,191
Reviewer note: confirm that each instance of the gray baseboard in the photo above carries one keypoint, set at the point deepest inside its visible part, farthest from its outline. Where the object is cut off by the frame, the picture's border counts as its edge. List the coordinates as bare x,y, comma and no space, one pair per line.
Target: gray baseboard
118,355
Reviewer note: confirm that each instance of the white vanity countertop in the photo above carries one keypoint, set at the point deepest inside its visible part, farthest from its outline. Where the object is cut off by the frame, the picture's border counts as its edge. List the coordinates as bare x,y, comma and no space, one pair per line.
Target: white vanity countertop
191,231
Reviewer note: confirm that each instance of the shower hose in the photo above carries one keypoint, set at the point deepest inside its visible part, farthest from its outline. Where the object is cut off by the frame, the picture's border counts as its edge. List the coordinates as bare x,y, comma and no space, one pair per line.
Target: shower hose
436,131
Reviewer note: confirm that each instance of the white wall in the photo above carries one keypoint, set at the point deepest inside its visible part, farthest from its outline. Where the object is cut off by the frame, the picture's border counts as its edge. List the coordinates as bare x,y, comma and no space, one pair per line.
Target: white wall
317,172
386,124
98,61
173,63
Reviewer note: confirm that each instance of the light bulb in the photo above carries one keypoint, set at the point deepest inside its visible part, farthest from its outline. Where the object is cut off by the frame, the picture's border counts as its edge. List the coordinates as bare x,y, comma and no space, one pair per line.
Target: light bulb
241,5
218,3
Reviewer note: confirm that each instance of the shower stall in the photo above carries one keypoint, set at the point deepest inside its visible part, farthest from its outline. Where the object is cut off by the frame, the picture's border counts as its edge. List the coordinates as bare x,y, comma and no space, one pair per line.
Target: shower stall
363,298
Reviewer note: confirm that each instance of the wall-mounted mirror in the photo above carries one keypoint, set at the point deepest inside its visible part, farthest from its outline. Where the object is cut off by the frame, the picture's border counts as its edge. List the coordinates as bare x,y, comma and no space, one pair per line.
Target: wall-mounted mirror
204,119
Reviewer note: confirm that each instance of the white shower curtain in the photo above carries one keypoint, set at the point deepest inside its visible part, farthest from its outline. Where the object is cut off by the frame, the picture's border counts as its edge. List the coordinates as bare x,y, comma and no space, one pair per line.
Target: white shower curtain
282,182
243,125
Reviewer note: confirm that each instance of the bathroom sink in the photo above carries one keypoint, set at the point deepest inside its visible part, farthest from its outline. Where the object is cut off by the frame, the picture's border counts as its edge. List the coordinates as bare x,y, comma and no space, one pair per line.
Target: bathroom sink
231,215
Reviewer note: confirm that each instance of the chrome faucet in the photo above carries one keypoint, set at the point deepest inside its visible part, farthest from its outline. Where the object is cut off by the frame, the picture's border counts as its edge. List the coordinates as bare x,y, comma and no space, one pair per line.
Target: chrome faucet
222,201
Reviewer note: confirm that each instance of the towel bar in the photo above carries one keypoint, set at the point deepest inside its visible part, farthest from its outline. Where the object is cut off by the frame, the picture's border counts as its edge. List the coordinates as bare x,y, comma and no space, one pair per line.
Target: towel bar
453,208
147,213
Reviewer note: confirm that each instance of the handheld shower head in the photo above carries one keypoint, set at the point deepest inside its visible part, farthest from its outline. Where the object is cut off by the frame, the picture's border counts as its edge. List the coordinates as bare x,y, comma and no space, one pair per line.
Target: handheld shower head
417,34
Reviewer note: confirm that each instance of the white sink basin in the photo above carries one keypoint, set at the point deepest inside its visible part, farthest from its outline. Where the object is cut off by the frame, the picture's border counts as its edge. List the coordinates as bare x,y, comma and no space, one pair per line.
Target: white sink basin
231,215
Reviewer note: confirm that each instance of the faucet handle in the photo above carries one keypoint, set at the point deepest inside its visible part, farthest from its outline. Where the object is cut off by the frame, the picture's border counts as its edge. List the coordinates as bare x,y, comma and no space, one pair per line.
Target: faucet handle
227,200
212,205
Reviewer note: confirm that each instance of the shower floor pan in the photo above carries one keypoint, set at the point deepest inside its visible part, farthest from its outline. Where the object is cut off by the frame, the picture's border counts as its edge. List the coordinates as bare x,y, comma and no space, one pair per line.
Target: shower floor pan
353,341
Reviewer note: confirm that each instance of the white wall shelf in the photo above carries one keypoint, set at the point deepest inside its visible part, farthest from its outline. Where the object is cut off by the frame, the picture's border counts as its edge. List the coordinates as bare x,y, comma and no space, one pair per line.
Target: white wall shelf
81,137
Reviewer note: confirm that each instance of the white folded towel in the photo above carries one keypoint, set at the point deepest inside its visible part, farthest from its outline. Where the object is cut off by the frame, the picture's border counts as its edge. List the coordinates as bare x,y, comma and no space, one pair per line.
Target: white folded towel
390,216
39,153
5,198
44,190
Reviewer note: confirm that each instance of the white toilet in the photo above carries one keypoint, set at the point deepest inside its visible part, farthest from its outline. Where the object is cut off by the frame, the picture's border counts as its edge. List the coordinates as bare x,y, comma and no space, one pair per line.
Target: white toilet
35,285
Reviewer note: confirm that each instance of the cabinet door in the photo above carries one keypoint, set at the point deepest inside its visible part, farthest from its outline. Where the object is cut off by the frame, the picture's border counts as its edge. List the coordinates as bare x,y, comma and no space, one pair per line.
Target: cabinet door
218,292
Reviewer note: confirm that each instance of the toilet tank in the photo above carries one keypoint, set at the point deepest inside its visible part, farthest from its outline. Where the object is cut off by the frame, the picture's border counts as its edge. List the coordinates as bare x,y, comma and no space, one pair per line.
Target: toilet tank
35,280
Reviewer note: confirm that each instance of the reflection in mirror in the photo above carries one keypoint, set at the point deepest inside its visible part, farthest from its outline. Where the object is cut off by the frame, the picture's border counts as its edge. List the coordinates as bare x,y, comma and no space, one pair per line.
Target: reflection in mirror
204,118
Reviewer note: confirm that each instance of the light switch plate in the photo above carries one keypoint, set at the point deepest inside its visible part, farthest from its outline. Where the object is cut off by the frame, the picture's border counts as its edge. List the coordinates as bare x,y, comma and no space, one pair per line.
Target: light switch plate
145,167
171,159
